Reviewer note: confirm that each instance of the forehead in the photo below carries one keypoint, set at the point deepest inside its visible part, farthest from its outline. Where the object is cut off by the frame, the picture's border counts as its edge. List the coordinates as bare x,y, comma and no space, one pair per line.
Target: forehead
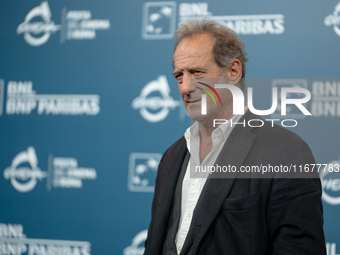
197,46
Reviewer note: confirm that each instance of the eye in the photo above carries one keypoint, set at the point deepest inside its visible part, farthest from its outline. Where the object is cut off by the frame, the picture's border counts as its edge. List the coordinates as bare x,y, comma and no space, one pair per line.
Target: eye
178,76
198,73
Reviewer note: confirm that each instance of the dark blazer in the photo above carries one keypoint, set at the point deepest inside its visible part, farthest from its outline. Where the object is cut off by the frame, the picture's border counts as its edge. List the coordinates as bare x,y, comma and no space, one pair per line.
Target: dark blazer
245,216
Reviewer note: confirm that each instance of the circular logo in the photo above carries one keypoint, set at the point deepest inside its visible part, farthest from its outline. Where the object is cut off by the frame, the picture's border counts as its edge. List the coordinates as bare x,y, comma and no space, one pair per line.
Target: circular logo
331,185
134,248
148,105
46,26
28,175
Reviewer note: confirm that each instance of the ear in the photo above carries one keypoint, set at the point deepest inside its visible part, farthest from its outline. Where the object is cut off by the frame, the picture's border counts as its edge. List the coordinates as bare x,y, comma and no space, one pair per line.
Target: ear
234,71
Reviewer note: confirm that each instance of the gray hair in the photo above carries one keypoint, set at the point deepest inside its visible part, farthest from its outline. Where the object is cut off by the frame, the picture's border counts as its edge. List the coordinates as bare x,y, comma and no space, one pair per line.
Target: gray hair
227,46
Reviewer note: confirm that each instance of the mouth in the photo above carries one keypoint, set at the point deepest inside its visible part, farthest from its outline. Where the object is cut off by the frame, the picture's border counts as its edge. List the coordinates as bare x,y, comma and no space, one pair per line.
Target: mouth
193,101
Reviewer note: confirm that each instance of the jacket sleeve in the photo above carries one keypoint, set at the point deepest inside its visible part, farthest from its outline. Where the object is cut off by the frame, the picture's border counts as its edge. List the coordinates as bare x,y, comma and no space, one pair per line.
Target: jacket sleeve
154,204
295,213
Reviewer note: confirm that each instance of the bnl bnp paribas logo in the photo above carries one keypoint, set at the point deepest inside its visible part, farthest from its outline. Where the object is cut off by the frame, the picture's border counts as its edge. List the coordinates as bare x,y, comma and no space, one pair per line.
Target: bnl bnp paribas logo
331,249
38,25
63,172
13,241
2,90
334,19
325,97
23,100
159,20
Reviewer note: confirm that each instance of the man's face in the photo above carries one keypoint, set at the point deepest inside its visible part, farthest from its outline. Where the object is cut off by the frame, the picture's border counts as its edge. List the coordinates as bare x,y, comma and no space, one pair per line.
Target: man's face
193,58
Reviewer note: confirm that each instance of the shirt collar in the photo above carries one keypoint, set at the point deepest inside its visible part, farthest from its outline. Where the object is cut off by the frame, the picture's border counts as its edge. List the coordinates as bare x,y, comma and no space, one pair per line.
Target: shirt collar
222,132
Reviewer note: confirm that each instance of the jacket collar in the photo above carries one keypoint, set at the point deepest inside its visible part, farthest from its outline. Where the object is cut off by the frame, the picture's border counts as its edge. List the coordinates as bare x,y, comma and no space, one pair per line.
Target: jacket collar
216,190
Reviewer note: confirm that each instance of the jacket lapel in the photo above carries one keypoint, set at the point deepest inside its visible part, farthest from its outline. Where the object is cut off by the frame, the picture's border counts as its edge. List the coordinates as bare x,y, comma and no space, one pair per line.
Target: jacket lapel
217,188
168,182
165,189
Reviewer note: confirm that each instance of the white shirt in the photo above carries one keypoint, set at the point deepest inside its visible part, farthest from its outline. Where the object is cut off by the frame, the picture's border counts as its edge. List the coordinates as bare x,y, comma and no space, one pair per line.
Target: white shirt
192,187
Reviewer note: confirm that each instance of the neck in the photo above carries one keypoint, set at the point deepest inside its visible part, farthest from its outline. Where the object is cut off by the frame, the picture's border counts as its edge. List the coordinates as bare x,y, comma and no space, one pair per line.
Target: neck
206,127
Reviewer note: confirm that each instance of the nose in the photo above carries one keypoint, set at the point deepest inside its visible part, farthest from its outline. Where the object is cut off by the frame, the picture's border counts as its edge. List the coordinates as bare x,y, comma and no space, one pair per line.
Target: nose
188,84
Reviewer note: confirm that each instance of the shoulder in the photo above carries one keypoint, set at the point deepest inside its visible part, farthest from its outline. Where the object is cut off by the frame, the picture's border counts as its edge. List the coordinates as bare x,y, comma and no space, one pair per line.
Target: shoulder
272,140
271,134
179,144
173,151
270,130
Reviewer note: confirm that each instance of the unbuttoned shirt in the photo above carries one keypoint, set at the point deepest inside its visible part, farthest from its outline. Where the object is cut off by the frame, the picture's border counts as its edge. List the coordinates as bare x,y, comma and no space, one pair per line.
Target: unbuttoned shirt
192,187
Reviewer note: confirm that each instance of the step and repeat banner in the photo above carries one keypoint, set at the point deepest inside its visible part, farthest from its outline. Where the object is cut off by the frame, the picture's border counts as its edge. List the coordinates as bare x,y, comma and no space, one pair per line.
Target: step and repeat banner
88,106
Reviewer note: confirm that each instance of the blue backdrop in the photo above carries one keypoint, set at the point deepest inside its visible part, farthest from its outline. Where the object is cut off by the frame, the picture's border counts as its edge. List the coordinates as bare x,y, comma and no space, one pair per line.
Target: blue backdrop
88,106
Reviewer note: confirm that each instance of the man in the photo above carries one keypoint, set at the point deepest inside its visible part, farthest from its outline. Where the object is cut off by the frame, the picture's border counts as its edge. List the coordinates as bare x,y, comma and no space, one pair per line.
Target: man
232,215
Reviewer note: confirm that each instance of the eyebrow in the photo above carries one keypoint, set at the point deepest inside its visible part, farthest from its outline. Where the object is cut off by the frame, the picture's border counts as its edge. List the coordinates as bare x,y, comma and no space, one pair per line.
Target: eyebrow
191,69
196,68
174,73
